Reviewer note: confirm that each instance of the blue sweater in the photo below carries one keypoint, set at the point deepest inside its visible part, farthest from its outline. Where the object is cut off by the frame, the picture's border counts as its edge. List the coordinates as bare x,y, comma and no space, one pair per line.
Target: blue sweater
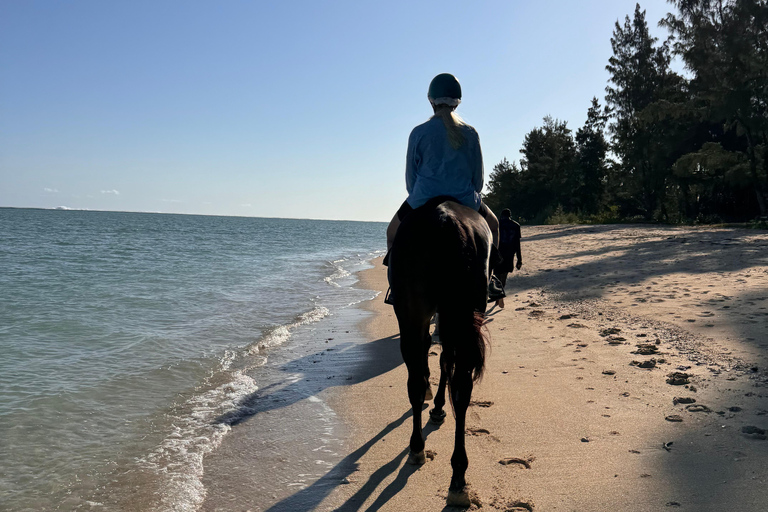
433,168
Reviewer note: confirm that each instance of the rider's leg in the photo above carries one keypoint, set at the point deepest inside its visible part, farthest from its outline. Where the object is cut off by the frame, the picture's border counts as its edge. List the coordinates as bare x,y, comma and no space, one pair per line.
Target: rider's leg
493,223
392,229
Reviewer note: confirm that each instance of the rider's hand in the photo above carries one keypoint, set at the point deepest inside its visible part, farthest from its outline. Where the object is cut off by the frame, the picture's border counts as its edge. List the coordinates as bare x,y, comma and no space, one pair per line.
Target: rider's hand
519,264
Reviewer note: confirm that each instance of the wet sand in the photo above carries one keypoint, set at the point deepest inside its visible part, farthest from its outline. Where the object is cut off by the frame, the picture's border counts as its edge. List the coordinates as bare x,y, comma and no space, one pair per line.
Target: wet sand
580,384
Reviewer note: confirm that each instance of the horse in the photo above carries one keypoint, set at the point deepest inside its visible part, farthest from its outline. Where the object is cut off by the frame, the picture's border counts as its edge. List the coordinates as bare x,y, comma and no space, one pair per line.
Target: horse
439,262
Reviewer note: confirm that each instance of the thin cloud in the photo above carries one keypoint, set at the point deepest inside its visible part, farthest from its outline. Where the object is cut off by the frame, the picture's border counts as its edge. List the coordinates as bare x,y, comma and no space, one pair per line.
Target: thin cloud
51,190
246,205
113,191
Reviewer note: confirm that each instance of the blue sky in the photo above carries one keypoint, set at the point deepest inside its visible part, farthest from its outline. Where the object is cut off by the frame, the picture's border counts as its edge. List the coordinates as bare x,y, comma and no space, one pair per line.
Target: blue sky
275,109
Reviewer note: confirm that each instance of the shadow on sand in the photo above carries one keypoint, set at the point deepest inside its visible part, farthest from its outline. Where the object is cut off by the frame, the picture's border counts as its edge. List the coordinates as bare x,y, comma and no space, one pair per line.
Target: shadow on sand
312,496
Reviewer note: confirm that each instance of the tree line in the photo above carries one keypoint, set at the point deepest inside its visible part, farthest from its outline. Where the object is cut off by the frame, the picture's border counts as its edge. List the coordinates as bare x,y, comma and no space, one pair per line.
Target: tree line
663,147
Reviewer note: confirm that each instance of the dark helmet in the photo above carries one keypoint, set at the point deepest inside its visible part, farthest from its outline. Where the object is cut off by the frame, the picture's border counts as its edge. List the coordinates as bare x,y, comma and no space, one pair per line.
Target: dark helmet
506,213
444,89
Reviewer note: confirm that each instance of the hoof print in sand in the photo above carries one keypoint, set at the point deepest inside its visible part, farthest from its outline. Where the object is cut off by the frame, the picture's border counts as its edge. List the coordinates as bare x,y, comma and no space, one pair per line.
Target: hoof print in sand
536,313
616,340
478,432
610,331
516,460
753,432
678,378
698,408
480,403
577,326
609,372
683,400
521,506
674,418
649,364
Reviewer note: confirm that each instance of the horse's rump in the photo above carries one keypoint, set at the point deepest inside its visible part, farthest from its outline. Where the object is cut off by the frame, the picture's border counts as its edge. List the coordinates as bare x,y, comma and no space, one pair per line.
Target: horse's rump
439,263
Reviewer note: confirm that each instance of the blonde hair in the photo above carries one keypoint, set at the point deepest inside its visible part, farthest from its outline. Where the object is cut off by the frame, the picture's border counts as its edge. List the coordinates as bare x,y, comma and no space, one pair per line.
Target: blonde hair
453,124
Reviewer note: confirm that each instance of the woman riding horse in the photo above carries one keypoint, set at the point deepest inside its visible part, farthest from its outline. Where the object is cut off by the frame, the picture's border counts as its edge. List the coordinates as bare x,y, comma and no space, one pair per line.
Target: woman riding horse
443,159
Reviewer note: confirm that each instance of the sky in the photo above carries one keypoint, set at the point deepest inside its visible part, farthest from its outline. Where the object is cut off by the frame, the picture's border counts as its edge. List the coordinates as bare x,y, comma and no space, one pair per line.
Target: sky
295,109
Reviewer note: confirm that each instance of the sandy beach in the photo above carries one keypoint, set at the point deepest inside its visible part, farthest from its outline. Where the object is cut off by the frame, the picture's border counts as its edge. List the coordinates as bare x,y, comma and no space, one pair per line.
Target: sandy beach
578,387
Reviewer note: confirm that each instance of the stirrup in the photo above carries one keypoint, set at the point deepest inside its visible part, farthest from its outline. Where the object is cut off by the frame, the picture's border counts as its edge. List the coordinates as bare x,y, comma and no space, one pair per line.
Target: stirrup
388,297
495,290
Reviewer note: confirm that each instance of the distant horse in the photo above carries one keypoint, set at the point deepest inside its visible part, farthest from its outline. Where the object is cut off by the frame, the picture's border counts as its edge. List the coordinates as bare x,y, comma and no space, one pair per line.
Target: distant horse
439,262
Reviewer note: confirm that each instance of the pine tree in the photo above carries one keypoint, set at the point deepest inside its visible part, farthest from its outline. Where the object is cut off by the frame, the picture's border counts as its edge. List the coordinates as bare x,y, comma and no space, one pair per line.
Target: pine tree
640,77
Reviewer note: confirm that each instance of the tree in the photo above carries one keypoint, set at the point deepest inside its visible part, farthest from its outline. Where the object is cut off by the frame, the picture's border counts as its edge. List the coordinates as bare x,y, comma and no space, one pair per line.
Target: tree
724,44
549,155
591,147
640,77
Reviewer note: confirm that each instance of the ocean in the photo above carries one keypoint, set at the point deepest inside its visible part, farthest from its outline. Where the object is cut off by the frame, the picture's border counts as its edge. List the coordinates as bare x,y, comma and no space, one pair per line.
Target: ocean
131,343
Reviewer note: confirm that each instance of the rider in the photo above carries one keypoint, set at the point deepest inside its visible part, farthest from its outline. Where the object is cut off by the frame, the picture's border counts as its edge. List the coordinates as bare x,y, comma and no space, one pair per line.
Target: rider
444,158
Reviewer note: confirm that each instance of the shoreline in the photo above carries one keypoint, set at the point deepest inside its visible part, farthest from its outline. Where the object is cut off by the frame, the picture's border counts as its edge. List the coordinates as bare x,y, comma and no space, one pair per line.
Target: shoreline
564,389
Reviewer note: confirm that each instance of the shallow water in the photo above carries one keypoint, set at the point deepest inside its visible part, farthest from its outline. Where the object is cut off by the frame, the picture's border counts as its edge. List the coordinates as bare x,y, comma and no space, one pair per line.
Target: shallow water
125,336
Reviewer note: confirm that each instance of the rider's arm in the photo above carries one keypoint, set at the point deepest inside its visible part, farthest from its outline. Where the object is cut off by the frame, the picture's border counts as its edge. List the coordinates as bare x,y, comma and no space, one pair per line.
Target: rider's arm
477,164
411,163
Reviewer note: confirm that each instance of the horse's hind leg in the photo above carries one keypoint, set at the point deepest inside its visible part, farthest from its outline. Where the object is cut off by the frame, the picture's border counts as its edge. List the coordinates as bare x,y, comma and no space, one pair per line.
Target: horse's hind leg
415,353
437,414
461,392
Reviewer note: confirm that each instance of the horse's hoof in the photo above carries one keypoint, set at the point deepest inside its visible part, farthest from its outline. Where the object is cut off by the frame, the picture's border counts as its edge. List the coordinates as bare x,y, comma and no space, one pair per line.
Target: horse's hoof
417,459
437,417
458,498
428,394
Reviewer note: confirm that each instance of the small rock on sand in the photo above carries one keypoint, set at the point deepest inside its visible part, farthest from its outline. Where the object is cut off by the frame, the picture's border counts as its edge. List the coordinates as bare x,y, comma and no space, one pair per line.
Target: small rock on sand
678,378
646,349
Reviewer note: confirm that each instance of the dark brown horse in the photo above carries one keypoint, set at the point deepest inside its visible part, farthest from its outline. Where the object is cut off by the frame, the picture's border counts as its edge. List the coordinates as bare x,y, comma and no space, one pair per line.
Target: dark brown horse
439,263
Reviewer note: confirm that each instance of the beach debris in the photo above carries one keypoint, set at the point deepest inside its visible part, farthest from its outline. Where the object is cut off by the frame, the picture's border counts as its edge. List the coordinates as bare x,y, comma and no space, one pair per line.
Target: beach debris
753,432
678,378
634,451
609,372
577,326
683,400
430,454
609,331
674,418
697,408
516,460
649,364
646,349
584,439
668,446
645,475
345,481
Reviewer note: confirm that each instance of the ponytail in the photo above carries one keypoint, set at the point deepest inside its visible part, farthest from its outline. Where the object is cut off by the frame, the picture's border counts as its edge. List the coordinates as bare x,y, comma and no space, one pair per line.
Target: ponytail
453,124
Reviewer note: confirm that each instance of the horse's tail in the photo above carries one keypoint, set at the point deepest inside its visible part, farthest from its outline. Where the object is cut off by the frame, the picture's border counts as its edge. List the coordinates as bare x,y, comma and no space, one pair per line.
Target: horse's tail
464,339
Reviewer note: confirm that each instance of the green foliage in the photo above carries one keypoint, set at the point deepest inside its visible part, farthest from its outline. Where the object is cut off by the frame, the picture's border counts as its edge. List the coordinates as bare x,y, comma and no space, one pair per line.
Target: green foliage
665,148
